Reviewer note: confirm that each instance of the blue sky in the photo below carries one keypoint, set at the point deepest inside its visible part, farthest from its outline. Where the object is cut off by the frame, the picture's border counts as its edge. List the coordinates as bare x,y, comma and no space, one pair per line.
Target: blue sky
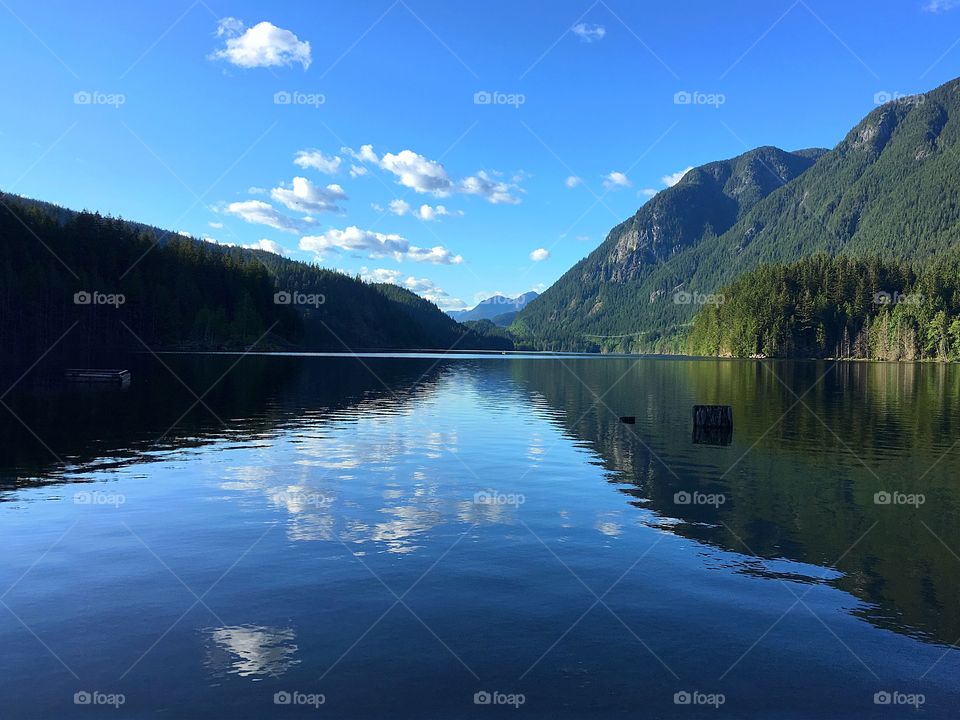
389,160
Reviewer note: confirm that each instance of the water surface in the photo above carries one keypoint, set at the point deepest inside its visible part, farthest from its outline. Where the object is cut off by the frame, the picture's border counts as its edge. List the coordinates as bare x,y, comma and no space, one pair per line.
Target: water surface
394,535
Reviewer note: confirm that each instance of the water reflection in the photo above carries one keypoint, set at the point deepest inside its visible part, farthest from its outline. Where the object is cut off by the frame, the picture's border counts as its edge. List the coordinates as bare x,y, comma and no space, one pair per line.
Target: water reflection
251,650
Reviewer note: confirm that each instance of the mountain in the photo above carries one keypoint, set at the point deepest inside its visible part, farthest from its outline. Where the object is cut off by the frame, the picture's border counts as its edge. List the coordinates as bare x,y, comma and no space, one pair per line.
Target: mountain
890,189
89,286
603,301
494,307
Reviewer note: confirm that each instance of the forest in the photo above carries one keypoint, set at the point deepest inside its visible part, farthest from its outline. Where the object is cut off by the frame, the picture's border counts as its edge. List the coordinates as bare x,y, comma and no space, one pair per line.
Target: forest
838,307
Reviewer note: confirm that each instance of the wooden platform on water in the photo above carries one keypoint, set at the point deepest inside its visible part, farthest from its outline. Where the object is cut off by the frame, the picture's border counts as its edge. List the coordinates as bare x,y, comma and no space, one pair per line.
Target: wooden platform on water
91,375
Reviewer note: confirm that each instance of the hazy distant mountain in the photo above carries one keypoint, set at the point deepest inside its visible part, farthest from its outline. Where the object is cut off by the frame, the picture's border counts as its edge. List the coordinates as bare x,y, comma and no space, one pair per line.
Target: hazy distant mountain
501,310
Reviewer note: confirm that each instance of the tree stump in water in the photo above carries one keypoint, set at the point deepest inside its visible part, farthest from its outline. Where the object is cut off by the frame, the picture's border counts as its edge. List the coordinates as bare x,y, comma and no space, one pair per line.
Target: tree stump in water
712,416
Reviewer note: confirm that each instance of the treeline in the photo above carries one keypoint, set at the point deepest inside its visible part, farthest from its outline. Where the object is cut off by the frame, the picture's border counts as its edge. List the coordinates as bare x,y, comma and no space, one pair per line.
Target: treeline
838,307
92,285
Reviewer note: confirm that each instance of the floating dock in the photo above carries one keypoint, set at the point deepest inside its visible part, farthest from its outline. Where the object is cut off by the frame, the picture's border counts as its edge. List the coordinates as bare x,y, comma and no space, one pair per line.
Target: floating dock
89,375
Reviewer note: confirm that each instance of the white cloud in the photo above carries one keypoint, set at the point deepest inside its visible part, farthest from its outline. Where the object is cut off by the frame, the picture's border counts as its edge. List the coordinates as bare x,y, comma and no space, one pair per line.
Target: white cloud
306,197
263,45
215,225
573,181
615,180
376,245
399,207
254,190
268,245
318,161
259,212
671,180
589,33
184,233
357,171
424,287
646,192
938,6
494,191
418,173
540,254
366,154
437,255
424,212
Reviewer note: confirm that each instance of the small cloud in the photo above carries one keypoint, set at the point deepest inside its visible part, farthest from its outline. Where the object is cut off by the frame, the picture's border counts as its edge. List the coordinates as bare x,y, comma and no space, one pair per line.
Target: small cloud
939,6
494,191
357,171
376,245
589,33
573,181
269,246
263,45
366,154
254,190
616,180
303,196
258,212
216,225
540,254
671,180
646,192
318,161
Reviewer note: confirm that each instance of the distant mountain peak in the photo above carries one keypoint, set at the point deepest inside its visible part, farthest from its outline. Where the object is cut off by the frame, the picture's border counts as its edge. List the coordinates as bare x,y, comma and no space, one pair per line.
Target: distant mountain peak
495,308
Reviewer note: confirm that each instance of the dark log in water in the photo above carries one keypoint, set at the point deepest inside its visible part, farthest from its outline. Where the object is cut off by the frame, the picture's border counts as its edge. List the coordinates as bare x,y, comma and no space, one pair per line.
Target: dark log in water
713,416
93,375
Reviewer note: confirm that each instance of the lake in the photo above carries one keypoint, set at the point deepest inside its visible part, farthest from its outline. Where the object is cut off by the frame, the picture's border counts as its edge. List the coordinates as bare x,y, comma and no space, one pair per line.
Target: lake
458,537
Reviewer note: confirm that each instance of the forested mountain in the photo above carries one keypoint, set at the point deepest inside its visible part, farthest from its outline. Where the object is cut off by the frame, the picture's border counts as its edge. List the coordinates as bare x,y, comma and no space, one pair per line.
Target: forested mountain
890,189
837,307
499,309
606,301
100,284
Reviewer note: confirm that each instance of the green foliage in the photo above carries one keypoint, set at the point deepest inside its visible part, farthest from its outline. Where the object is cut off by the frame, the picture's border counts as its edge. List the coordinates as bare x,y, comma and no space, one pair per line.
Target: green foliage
837,307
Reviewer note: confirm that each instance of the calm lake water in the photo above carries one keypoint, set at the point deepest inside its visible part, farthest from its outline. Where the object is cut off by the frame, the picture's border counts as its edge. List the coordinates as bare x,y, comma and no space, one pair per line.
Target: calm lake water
411,537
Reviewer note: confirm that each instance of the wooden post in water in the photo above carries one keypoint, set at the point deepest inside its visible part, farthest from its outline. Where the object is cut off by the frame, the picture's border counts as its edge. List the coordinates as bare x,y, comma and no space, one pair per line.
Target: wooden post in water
712,416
